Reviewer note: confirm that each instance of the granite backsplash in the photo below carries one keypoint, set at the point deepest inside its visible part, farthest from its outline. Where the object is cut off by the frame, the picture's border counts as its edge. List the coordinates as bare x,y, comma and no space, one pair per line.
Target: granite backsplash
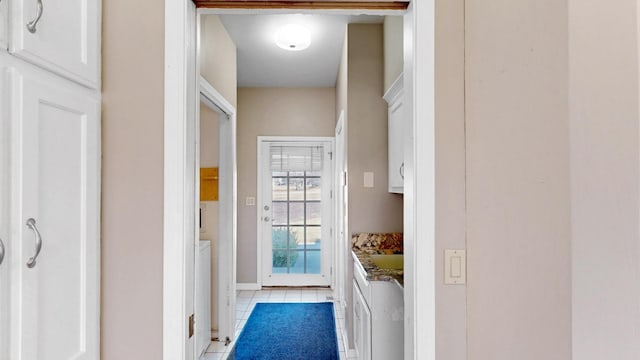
381,243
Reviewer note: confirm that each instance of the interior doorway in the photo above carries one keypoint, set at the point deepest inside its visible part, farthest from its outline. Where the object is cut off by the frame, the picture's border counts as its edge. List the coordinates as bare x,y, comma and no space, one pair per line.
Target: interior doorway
223,276
180,82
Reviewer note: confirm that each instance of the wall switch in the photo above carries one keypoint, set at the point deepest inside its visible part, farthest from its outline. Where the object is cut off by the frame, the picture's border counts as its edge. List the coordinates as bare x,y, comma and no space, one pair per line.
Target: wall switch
368,179
250,201
455,267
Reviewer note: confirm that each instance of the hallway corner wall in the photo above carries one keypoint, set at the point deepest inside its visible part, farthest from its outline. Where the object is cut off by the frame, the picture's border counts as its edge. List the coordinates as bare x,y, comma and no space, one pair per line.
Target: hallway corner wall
132,179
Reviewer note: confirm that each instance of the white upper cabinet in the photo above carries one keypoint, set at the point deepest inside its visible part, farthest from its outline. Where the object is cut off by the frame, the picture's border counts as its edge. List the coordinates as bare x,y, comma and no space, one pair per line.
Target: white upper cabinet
3,24
396,136
62,36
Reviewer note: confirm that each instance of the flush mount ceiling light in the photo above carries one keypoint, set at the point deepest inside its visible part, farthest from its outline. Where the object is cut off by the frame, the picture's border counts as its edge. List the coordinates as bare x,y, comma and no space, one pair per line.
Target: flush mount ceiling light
293,37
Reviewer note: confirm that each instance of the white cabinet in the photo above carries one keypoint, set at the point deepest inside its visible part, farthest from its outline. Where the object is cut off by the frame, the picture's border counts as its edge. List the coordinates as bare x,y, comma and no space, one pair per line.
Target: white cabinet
3,25
361,325
5,195
52,257
61,36
396,120
378,317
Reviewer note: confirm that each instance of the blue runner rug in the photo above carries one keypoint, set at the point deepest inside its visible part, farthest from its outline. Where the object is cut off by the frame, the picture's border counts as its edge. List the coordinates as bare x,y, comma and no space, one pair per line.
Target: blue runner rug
288,331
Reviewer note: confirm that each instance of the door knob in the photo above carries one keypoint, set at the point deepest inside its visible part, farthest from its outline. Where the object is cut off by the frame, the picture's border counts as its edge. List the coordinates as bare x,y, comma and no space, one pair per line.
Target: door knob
266,219
266,207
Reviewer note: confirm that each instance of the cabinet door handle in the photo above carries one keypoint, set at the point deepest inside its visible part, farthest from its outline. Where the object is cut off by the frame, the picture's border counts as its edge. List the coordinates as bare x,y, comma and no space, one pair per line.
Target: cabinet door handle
402,170
1,251
31,223
31,25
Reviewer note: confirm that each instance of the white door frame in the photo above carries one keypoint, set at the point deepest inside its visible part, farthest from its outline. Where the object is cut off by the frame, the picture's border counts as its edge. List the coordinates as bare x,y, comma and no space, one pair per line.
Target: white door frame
419,182
341,221
260,238
227,203
419,201
180,106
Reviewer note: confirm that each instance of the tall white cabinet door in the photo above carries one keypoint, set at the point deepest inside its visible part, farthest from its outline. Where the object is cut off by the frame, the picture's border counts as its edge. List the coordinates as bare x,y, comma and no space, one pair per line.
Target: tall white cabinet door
5,196
62,36
55,179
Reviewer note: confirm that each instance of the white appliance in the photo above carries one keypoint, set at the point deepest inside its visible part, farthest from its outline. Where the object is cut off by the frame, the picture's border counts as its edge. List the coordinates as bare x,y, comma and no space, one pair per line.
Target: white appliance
203,298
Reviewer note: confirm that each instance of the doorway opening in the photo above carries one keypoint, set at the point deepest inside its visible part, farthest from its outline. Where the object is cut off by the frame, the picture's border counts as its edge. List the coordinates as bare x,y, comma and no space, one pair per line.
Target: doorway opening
180,82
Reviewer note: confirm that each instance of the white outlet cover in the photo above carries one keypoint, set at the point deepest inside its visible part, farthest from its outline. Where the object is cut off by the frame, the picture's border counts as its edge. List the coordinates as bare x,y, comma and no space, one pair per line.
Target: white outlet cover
250,201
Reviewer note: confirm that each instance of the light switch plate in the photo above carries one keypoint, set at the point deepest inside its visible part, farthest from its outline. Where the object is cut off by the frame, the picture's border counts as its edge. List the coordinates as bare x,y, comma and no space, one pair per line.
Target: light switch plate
368,179
455,267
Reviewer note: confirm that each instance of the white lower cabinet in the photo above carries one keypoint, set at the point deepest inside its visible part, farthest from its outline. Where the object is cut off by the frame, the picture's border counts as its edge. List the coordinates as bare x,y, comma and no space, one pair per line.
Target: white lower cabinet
361,325
378,318
52,246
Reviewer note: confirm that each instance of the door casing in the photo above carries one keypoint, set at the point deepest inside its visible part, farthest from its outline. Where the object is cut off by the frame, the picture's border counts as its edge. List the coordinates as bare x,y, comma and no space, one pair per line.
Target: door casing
419,196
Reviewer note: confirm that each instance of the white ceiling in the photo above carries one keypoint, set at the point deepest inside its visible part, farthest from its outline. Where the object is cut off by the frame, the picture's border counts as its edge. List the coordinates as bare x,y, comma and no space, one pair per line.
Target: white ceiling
261,63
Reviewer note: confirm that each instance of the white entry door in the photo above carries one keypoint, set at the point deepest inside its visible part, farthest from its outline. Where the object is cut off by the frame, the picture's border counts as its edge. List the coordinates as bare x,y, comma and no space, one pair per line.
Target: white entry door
295,211
54,257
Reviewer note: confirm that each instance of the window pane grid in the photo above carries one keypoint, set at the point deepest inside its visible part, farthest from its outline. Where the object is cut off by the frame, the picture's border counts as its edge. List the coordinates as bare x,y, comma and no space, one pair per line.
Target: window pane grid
301,253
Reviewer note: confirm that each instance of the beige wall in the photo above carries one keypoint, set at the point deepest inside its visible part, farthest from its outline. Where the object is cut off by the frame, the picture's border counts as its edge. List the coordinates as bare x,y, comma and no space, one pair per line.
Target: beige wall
132,185
393,50
370,209
209,143
518,230
451,314
218,63
272,112
605,173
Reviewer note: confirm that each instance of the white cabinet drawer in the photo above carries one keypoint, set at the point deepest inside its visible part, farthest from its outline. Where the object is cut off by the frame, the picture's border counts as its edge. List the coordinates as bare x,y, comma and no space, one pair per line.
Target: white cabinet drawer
65,39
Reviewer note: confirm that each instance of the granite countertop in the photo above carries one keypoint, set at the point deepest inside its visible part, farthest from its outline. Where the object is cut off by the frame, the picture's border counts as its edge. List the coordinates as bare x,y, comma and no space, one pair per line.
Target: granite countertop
373,272
366,244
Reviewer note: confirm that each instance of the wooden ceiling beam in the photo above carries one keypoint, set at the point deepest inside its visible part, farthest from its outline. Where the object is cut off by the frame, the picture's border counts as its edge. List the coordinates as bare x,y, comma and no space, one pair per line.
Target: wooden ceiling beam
303,5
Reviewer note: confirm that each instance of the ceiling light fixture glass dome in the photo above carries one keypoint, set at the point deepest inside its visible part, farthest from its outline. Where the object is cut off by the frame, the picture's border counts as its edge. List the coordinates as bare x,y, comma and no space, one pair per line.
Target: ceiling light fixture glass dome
293,37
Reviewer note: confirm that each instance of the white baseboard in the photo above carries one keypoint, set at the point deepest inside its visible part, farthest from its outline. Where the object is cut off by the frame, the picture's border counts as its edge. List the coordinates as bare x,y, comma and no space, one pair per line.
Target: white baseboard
248,286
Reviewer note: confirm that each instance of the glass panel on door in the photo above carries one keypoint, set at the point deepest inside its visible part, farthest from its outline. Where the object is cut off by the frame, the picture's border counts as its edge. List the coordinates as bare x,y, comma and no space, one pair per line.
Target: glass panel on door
297,222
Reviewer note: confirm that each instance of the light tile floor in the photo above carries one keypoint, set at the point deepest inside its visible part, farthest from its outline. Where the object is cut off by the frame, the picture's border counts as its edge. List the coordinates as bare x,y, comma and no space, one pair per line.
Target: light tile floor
247,300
